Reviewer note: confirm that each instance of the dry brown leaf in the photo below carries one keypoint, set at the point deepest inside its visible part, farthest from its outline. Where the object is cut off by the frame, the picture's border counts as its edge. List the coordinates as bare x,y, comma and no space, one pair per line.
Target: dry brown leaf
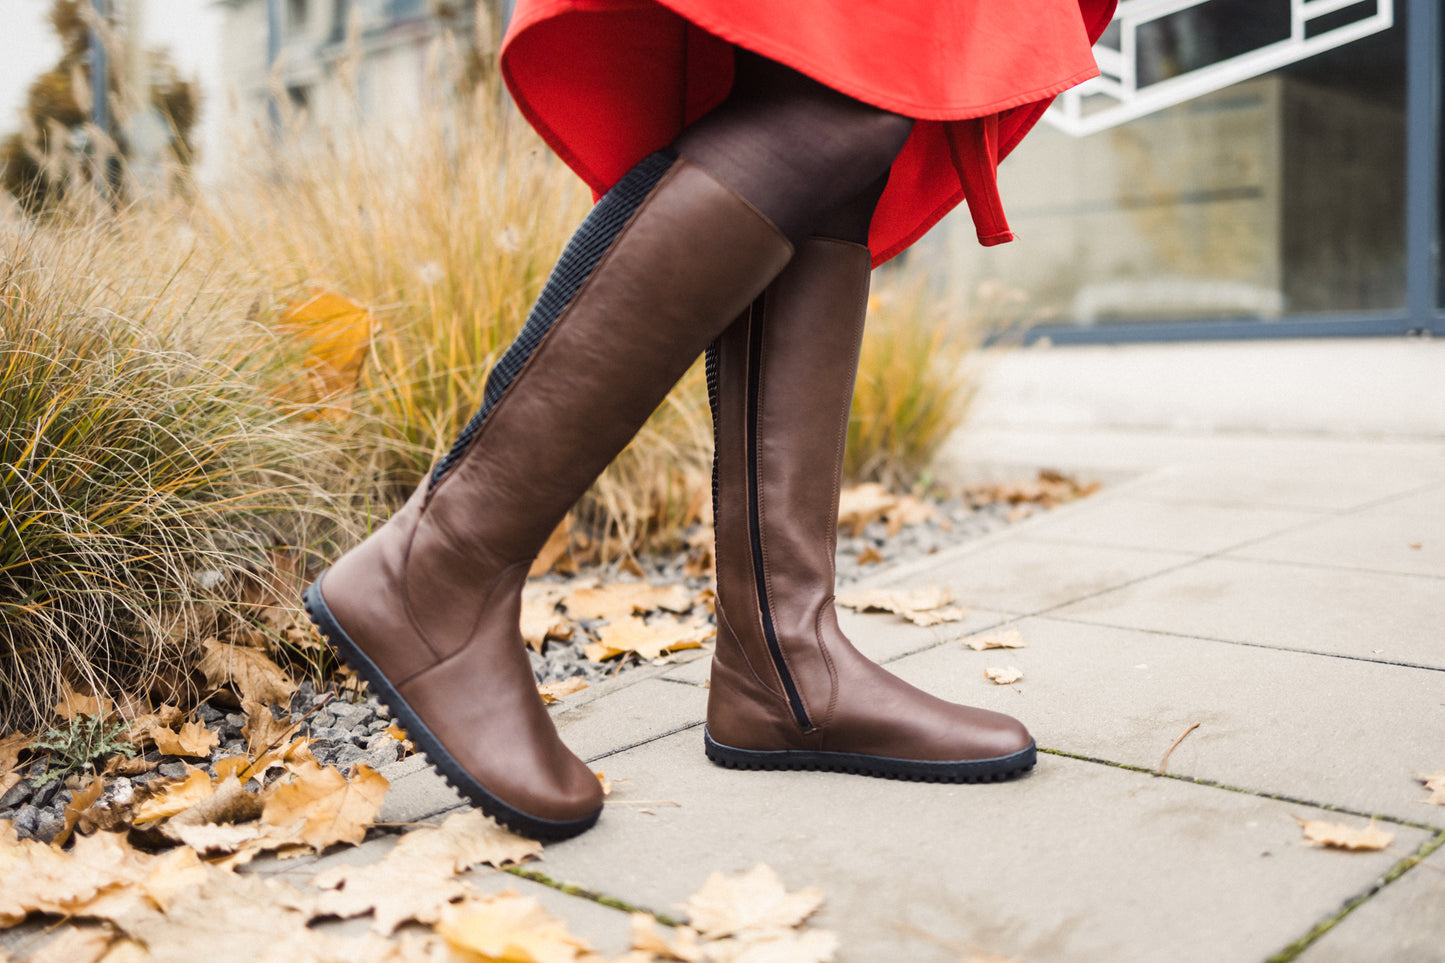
35,878
510,928
72,704
76,944
193,740
1008,638
869,556
11,747
77,806
861,504
908,510
775,946
991,958
337,334
119,765
557,691
554,549
618,600
142,725
250,671
606,783
295,753
540,619
263,730
925,606
175,796
1435,782
751,901
1340,836
1005,676
230,803
650,640
466,840
330,807
649,938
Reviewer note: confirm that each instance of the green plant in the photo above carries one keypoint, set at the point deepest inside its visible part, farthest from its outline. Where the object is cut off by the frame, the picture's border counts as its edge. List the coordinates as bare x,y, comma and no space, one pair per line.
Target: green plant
78,742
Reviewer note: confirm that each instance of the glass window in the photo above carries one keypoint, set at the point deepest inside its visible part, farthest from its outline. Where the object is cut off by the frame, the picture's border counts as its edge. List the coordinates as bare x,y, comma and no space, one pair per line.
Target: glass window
1281,195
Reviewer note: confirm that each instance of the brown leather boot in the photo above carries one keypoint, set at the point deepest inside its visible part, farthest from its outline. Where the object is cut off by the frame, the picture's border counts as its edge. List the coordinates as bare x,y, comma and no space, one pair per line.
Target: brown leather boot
427,608
788,690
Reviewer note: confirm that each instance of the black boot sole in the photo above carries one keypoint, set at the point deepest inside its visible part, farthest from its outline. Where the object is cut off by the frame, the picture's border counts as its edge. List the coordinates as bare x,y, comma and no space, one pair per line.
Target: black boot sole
885,767
534,827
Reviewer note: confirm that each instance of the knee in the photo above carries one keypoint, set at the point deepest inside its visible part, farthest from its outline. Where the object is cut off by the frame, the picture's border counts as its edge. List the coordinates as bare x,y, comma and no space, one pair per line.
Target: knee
872,141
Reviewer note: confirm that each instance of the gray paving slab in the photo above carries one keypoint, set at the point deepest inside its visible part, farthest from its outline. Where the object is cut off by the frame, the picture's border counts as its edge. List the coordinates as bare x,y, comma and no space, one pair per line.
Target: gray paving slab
1343,732
1076,862
1138,522
1383,539
1023,575
1403,923
630,716
1367,615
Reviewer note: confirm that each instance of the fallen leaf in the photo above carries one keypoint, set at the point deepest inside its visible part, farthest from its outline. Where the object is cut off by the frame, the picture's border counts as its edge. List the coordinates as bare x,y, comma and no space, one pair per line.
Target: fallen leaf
618,600
510,928
1435,782
330,807
648,938
11,747
554,548
72,704
753,900
908,511
193,740
176,796
869,556
1340,836
336,332
76,944
775,946
650,640
295,753
393,891
557,691
1009,638
925,606
606,783
250,671
263,730
78,804
540,619
34,878
142,725
466,840
1006,676
1417,545
991,958
861,504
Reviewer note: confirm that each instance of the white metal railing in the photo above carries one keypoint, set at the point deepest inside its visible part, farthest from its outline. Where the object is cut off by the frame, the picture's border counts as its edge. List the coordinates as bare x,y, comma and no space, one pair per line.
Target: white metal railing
1116,96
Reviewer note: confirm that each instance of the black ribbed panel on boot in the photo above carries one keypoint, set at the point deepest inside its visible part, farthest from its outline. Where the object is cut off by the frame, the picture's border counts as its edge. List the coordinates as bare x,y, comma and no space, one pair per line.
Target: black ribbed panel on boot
574,267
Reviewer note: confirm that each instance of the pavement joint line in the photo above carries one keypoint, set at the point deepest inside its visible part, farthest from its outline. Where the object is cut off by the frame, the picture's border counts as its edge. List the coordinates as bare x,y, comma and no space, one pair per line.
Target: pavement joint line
1294,949
582,892
1242,790
1240,642
1294,563
642,742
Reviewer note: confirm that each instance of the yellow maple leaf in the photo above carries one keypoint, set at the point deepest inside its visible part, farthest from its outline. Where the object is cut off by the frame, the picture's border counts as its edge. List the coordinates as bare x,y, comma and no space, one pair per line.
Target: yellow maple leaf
193,740
249,670
330,807
649,938
754,900
1004,676
509,928
466,840
557,691
924,606
1318,832
618,600
650,640
337,333
1008,638
174,797
1435,782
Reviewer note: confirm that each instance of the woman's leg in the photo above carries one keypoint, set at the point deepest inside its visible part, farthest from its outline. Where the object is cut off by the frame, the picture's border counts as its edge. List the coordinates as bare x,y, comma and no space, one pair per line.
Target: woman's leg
427,608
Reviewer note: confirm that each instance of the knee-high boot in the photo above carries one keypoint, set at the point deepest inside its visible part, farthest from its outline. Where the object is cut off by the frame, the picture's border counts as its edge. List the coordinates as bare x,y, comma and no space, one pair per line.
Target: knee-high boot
427,608
788,690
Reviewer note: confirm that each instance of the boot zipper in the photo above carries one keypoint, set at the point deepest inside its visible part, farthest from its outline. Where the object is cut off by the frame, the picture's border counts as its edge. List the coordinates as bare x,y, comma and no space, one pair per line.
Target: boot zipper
755,366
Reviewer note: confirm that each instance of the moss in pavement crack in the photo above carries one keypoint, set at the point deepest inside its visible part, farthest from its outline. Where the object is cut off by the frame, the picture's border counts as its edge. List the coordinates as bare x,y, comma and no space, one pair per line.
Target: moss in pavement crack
1260,793
1292,951
601,899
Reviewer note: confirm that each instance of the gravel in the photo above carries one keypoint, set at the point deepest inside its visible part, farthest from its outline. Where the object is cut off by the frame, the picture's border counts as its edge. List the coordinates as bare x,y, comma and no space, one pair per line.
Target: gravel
350,733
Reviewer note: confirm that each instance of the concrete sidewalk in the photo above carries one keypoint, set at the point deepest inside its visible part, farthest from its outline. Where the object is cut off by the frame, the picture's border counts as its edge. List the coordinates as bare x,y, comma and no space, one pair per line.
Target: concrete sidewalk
1284,591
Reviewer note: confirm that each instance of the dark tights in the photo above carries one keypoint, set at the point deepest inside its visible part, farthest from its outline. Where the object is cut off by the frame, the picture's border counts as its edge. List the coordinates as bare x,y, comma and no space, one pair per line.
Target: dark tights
813,160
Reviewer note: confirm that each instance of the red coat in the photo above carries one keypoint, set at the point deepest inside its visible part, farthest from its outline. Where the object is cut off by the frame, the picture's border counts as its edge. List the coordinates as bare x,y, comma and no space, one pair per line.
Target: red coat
606,82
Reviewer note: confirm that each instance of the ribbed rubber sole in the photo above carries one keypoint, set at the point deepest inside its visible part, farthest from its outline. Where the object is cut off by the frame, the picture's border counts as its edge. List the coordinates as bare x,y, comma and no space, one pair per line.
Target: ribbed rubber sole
884,767
428,744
